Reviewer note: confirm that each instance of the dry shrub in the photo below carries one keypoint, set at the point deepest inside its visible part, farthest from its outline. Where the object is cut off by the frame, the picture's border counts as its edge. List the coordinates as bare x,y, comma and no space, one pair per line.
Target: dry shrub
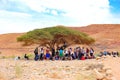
85,77
18,70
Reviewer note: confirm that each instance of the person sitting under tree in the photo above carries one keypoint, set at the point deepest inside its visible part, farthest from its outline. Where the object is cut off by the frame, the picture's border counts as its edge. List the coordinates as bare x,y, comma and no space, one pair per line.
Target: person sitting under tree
26,57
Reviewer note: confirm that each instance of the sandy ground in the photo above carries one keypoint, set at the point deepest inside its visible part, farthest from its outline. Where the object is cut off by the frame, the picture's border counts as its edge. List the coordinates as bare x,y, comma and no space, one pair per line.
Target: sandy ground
55,70
114,64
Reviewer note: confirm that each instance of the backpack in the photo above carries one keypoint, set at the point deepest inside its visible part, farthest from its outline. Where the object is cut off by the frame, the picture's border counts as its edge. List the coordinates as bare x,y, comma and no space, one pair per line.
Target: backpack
36,51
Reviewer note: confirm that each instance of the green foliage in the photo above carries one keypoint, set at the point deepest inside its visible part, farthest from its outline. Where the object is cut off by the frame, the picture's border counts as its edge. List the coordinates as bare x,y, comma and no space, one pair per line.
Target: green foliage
30,55
55,35
7,57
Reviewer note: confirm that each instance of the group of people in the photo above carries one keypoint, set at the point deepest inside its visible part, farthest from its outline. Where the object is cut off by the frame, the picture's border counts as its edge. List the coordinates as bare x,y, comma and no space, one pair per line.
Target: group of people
80,53
105,53
60,53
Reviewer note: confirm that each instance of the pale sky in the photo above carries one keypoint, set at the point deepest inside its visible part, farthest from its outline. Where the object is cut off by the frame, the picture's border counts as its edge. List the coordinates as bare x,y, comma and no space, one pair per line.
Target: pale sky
25,15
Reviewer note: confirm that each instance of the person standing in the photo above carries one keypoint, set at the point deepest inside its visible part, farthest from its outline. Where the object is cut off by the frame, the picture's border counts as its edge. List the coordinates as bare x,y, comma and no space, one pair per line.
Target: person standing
47,54
53,53
87,53
36,54
61,53
41,54
91,53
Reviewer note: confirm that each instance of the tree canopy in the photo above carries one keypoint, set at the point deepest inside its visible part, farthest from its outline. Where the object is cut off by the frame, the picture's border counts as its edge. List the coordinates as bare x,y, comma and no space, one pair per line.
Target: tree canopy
54,36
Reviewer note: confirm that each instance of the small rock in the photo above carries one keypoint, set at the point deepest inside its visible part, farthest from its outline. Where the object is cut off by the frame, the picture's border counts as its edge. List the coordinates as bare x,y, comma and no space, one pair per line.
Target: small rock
99,75
109,72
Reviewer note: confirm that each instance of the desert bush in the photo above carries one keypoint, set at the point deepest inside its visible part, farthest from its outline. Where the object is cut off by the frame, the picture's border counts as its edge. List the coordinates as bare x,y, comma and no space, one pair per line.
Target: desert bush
85,77
13,56
18,70
7,57
30,55
118,54
3,57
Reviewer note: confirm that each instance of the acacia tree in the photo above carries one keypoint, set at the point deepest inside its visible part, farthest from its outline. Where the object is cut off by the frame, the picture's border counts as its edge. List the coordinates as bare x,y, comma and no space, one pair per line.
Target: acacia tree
55,36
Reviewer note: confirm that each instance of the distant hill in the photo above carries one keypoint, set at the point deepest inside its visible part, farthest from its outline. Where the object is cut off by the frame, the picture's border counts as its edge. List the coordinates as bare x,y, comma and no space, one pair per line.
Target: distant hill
107,36
10,46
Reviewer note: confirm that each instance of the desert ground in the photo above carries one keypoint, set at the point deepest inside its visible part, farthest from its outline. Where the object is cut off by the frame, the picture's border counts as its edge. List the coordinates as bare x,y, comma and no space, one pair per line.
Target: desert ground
107,37
106,68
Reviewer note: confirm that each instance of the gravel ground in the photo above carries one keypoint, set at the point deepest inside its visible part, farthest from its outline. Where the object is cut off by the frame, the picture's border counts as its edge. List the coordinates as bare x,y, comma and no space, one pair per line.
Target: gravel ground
57,70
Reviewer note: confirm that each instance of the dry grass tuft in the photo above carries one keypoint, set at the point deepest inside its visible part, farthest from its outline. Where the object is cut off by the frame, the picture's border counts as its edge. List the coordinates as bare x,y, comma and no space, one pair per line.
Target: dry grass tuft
85,77
18,70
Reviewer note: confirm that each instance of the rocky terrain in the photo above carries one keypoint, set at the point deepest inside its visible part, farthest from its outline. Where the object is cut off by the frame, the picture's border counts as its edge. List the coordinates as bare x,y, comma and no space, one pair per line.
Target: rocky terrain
101,69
